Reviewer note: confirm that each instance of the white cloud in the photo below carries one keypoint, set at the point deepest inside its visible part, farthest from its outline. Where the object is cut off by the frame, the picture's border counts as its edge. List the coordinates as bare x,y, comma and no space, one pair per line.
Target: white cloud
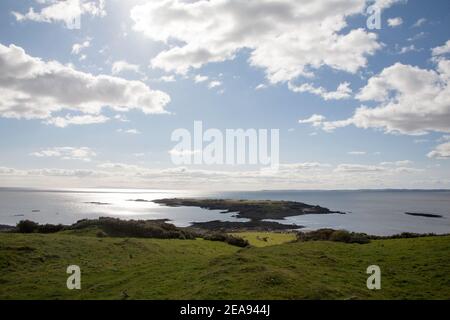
63,173
410,101
121,118
342,92
384,4
63,122
413,100
359,168
214,84
4,171
407,170
78,47
120,166
129,131
355,169
418,36
303,166
34,89
411,48
183,153
261,86
357,153
419,22
66,11
170,78
139,154
400,163
285,38
123,66
199,78
315,120
395,22
44,174
438,51
442,151
66,153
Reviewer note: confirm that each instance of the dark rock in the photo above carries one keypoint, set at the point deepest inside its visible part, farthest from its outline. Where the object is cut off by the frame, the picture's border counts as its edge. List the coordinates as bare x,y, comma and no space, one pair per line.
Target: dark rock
426,215
99,203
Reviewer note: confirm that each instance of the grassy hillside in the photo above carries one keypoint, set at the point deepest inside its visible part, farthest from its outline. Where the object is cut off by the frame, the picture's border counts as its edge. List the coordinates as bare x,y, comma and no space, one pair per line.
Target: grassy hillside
33,266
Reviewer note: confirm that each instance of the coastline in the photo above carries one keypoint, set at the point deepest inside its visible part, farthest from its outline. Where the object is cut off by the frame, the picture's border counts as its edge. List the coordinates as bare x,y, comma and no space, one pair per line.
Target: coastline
378,213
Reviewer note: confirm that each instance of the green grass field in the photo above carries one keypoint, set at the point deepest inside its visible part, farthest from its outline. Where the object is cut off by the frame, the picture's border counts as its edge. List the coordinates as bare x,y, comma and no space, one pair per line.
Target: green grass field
266,239
34,267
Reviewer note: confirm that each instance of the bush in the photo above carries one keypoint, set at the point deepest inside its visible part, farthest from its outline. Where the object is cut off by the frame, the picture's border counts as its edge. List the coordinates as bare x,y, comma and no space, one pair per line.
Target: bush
27,226
215,236
318,235
238,242
101,234
340,236
50,228
223,237
333,235
406,235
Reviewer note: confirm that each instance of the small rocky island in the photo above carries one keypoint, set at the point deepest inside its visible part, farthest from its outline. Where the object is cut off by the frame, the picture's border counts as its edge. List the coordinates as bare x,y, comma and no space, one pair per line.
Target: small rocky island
256,211
98,203
425,215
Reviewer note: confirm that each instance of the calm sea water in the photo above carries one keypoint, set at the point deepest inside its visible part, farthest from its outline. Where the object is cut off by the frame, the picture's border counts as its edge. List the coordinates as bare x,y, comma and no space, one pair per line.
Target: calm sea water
373,212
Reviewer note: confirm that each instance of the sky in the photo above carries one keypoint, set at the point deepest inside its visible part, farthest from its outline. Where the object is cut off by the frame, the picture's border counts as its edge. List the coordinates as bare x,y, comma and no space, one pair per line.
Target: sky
92,90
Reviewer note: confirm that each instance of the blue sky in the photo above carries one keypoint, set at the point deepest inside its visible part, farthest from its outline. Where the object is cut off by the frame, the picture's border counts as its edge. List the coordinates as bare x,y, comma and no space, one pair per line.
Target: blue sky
385,146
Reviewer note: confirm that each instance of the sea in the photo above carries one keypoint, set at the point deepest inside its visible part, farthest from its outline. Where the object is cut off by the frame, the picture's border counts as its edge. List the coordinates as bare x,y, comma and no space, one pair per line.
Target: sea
376,212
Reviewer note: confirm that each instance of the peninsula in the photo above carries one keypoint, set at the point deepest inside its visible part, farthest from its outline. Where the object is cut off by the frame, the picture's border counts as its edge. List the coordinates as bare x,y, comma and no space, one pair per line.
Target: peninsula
256,211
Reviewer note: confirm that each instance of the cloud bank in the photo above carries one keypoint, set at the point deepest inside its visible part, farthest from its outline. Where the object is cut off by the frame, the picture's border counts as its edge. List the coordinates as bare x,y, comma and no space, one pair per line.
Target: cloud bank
410,100
34,89
287,39
308,175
